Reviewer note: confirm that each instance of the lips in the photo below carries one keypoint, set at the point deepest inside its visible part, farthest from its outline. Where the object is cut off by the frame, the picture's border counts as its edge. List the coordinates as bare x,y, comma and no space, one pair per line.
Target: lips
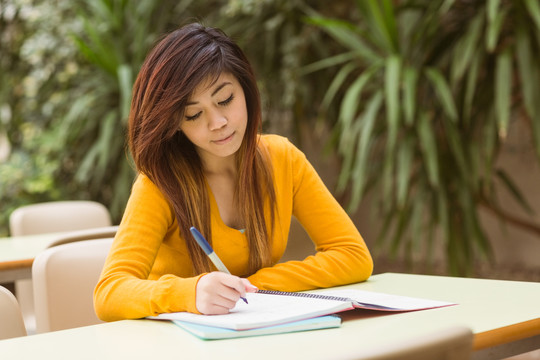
224,140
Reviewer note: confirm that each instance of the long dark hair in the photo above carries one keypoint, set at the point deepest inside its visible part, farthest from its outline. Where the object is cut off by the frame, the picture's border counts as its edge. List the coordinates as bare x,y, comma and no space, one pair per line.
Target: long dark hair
181,61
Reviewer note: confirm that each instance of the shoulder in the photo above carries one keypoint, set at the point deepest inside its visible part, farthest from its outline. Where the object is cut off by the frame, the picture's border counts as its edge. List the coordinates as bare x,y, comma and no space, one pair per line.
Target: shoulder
146,195
280,147
146,189
143,182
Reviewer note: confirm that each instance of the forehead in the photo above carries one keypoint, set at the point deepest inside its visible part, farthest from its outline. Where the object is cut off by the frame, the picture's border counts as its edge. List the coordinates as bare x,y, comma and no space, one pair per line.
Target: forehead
210,83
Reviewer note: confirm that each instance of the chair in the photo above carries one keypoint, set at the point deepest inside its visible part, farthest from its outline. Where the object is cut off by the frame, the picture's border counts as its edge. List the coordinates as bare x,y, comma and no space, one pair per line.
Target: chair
453,343
11,323
56,216
64,278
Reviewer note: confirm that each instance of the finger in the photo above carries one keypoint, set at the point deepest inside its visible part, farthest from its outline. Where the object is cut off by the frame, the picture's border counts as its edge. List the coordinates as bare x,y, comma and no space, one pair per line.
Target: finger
236,284
249,287
214,309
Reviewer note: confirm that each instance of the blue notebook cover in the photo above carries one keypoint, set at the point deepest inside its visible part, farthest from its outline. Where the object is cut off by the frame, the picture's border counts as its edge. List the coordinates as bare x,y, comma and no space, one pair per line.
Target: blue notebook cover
215,333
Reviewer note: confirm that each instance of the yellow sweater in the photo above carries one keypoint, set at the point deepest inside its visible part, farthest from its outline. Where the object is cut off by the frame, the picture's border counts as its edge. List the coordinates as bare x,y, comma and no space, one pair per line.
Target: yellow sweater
147,271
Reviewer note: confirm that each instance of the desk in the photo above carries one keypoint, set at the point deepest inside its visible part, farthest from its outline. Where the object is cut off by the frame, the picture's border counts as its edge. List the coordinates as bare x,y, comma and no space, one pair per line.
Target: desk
17,253
504,316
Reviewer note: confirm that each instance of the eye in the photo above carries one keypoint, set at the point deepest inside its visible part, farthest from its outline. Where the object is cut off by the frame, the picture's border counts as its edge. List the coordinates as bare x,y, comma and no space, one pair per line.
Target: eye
226,101
193,117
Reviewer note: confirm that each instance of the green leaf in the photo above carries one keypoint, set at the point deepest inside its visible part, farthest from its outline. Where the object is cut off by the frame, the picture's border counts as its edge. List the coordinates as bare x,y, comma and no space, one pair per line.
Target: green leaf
77,112
105,140
443,92
382,19
343,32
329,62
529,75
416,221
455,141
360,171
351,100
125,85
404,168
391,87
492,9
490,144
503,87
493,30
514,190
428,145
347,148
387,180
446,5
336,84
403,221
527,71
410,80
533,6
470,87
466,48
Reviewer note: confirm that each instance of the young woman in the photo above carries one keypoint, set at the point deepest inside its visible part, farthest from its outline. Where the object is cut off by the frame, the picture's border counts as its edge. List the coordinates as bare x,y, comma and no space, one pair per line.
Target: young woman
194,136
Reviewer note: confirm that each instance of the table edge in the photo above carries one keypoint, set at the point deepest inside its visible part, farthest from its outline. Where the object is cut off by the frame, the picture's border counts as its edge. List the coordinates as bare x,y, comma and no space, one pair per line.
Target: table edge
506,334
16,264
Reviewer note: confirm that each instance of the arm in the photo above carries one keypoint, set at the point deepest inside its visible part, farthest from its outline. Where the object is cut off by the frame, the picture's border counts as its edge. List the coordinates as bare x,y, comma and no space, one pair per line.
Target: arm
342,256
148,270
134,283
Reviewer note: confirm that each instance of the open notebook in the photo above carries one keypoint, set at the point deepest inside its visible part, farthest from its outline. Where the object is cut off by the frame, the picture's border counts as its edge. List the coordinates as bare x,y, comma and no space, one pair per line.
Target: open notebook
268,308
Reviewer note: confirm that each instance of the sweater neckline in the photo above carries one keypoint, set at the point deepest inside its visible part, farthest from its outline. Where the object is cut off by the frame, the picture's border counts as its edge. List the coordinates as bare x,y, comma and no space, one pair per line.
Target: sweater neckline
214,210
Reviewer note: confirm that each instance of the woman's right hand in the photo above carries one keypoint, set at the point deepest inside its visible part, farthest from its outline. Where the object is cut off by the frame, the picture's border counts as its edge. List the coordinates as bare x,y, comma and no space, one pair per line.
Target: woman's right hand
218,292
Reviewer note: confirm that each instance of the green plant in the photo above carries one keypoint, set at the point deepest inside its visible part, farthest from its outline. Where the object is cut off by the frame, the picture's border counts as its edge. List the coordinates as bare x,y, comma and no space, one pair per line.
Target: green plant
426,91
36,69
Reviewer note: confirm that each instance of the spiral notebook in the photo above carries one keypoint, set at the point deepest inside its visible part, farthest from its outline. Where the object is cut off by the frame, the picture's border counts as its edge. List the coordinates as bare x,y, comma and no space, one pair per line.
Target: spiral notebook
269,308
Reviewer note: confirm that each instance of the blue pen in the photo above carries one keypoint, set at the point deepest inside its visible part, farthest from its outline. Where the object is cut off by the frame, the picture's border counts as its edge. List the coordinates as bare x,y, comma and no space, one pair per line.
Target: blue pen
210,252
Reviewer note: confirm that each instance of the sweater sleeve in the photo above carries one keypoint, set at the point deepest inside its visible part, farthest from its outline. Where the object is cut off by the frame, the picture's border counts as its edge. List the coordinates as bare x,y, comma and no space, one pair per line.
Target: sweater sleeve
342,256
125,289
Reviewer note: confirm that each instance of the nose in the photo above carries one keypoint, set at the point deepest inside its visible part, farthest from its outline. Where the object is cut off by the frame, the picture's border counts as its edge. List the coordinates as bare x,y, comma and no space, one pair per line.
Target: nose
216,121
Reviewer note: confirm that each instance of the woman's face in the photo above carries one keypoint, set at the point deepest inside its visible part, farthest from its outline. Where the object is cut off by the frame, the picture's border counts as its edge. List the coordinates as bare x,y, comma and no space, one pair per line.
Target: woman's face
215,118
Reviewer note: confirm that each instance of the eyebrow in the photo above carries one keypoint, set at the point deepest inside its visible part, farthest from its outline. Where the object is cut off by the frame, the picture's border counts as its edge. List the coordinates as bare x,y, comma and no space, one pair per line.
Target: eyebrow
216,90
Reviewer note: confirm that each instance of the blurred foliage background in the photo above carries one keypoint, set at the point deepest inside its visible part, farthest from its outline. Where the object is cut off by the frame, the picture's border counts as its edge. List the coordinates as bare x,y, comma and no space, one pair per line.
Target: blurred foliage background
418,95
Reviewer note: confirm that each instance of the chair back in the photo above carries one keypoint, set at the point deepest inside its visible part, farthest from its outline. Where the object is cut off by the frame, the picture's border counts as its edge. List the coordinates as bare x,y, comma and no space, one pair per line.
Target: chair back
11,320
453,343
57,216
64,279
85,234
47,217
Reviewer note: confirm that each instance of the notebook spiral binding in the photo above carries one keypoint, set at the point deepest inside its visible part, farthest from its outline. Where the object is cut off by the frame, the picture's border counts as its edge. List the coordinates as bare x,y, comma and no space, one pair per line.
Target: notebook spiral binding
305,295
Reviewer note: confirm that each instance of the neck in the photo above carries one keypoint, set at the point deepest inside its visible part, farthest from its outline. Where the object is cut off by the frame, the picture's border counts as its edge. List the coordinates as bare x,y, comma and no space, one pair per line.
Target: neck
216,166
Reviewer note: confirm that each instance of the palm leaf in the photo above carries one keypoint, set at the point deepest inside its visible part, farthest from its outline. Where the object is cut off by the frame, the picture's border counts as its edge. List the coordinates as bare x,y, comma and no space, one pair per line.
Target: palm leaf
429,149
514,190
410,82
464,51
443,91
391,87
344,33
404,170
360,171
336,84
503,87
534,11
